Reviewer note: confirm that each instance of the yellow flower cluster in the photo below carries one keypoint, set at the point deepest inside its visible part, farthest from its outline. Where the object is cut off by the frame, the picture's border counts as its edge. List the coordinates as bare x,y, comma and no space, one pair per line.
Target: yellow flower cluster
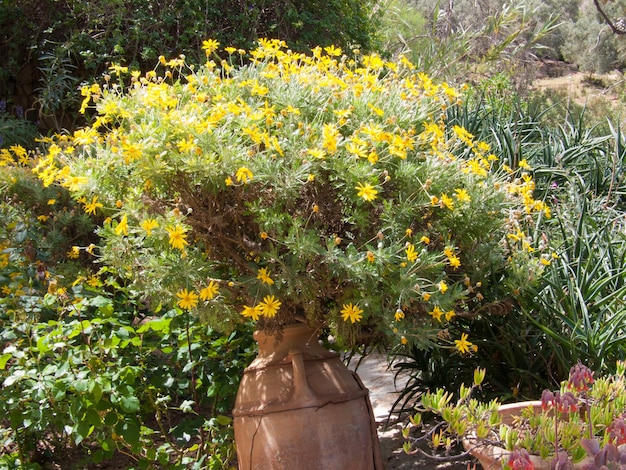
189,299
268,307
15,155
525,187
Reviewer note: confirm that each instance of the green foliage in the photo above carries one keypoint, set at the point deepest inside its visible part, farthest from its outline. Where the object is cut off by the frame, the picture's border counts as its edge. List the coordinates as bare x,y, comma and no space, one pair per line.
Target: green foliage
580,306
567,13
575,309
401,24
57,95
86,369
509,345
589,42
452,40
15,131
579,170
580,303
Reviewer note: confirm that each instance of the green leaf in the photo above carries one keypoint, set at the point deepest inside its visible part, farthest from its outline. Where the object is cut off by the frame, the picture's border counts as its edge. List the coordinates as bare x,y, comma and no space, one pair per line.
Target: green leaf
128,375
81,385
112,342
129,404
108,445
93,418
82,430
95,389
4,359
187,406
42,345
103,304
129,431
110,418
223,420
79,328
158,324
151,453
11,379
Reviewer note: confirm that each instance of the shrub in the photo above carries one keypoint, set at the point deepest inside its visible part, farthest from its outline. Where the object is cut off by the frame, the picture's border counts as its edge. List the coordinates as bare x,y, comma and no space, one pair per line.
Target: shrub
86,373
464,39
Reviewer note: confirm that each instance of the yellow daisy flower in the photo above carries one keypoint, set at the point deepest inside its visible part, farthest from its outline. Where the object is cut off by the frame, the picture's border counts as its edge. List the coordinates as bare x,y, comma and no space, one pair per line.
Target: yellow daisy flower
269,306
209,291
187,299
351,312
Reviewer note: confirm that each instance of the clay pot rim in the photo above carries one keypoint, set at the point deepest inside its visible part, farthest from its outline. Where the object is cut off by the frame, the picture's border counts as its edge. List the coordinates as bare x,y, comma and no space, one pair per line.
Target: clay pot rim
490,456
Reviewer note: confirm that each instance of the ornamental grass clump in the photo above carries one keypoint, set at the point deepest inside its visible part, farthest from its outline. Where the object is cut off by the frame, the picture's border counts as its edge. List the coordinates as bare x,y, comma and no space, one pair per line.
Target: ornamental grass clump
280,187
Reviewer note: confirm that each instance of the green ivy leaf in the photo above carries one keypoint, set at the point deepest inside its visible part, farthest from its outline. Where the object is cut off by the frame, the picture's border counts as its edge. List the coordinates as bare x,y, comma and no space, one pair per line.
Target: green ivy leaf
129,404
95,389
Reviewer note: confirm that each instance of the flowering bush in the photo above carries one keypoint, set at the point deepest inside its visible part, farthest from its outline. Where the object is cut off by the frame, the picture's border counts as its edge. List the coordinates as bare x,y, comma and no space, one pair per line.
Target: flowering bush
280,187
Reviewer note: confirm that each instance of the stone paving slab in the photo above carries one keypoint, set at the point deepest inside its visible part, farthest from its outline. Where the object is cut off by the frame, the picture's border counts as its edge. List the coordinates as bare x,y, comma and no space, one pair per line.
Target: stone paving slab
379,380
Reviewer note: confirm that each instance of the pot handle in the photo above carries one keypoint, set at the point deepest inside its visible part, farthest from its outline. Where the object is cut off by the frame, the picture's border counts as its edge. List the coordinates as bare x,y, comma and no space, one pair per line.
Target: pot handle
302,393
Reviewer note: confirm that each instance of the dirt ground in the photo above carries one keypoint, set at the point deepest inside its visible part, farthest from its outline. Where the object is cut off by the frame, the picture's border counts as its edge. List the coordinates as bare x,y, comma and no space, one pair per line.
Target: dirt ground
379,380
582,88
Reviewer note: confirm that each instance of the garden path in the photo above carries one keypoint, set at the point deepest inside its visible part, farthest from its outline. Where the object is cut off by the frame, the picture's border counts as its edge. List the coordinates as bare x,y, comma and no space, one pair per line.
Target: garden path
379,380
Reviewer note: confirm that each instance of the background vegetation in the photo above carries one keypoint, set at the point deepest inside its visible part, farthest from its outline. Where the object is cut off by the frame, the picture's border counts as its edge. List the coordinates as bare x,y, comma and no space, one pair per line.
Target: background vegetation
89,369
51,46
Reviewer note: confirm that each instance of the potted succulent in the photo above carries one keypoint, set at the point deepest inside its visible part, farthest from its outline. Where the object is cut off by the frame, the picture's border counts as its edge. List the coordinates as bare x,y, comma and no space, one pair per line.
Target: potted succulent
580,426
323,190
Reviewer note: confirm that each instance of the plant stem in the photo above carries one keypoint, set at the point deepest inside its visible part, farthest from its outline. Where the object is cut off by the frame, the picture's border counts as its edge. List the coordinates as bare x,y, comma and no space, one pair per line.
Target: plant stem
193,381
588,410
556,432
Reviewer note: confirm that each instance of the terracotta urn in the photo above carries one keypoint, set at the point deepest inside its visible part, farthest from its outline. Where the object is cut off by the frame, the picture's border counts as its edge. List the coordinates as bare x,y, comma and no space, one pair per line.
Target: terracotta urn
299,408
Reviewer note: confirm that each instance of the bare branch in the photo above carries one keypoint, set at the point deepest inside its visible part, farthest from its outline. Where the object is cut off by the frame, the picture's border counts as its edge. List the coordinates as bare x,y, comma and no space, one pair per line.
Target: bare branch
617,27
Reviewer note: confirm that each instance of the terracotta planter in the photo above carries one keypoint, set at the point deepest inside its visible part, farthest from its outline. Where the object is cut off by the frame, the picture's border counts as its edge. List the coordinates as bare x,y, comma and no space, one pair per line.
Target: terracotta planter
491,457
299,408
